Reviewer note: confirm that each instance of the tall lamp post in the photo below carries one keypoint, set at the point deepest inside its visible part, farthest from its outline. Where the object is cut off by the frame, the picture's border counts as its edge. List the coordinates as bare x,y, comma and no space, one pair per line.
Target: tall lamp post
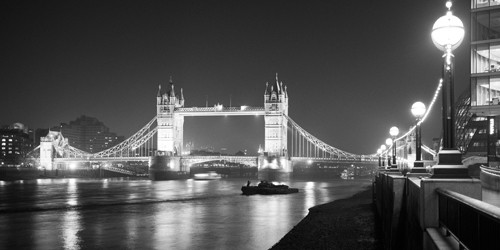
447,34
379,152
418,110
383,148
394,131
388,142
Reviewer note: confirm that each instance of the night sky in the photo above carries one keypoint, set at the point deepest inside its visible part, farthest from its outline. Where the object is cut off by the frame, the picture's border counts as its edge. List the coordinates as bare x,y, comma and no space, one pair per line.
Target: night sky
353,68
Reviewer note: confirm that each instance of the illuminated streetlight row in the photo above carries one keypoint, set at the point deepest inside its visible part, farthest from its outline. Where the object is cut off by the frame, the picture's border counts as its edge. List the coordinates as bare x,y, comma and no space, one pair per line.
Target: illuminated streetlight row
447,34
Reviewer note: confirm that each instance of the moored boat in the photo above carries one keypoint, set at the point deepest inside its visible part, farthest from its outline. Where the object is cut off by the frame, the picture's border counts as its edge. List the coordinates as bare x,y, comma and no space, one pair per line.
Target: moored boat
212,175
268,188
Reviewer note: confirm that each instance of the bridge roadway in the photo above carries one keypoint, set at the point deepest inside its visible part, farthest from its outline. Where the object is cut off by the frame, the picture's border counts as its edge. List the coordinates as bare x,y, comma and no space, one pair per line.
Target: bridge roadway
334,160
100,159
193,159
220,111
251,161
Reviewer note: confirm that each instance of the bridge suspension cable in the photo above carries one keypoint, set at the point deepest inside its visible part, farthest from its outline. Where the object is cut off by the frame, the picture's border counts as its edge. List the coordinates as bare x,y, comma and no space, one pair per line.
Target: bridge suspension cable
307,145
139,143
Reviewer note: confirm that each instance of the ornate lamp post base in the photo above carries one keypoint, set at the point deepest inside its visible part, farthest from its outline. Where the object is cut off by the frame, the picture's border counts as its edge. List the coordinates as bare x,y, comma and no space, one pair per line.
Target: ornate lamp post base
450,165
418,167
394,168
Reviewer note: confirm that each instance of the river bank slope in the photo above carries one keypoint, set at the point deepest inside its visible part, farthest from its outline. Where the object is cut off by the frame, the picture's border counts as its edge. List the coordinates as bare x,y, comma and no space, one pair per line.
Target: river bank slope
342,224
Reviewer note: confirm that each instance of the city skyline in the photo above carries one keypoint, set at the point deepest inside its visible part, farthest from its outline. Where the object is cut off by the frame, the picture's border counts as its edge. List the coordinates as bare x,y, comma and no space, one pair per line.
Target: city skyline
353,70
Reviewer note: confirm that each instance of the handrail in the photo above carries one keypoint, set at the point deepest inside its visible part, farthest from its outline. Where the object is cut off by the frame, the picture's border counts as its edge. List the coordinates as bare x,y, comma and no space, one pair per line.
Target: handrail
474,223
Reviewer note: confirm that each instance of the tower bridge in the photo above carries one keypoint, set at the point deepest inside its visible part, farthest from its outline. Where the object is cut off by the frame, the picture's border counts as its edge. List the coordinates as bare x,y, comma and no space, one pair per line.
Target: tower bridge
160,142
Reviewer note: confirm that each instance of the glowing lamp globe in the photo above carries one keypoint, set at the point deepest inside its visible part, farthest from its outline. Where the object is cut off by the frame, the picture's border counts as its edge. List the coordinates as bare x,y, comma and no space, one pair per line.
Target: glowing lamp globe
418,109
383,147
394,131
448,31
388,141
379,151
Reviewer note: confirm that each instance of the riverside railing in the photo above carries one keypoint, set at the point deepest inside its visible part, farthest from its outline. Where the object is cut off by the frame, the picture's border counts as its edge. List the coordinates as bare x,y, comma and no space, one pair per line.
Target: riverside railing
473,223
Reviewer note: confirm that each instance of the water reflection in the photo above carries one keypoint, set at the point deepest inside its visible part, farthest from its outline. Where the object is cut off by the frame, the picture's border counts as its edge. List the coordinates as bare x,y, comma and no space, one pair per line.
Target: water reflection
141,214
310,200
72,193
70,229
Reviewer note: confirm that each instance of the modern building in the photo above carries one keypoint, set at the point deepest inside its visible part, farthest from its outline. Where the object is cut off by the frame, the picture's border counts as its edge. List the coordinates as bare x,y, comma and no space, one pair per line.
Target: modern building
471,129
15,143
88,134
485,72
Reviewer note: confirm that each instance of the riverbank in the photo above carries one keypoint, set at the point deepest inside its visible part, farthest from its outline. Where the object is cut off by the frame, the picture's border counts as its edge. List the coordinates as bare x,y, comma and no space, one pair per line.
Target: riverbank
342,224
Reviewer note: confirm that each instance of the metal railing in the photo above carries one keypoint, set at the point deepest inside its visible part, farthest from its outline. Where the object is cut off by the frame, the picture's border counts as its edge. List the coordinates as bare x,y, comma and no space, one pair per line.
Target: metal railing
473,223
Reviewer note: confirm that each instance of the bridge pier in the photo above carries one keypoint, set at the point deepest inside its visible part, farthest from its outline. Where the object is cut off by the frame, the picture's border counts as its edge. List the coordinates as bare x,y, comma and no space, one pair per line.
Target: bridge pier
166,167
274,168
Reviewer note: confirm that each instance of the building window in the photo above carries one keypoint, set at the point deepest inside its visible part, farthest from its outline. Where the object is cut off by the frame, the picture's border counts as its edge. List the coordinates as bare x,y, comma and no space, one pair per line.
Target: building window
479,118
485,91
485,58
484,3
485,27
479,144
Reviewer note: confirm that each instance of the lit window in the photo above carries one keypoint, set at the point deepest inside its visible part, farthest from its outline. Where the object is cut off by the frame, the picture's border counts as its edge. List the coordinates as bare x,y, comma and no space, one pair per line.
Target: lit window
10,139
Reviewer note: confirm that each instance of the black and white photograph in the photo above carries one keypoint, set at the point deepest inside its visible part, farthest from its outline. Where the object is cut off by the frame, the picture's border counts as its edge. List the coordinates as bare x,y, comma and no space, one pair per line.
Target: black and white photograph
249,125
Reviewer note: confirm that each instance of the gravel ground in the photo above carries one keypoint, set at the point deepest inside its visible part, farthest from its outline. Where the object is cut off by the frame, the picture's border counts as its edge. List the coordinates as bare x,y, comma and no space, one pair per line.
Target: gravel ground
343,224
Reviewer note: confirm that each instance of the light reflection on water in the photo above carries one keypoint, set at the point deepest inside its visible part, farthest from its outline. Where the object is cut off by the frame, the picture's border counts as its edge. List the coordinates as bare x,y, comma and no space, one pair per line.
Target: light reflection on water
72,193
141,214
70,228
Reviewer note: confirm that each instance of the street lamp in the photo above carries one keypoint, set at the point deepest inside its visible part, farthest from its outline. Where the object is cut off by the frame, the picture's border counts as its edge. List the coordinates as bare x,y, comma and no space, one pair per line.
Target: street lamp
379,152
418,110
383,148
447,34
394,131
388,142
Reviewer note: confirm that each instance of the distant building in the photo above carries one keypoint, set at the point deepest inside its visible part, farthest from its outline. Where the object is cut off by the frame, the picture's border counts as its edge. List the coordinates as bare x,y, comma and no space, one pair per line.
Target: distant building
38,134
15,143
88,134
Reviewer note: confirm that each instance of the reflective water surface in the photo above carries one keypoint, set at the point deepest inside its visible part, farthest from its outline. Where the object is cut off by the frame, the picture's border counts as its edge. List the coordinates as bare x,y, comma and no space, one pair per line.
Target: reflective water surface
142,214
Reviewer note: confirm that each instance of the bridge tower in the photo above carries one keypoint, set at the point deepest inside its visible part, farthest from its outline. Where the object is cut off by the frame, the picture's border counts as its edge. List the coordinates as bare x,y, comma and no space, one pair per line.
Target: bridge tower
48,148
170,125
275,148
170,136
46,153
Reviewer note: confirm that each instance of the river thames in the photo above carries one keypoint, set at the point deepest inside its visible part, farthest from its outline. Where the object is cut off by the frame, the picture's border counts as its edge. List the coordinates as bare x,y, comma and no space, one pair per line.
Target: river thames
143,214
